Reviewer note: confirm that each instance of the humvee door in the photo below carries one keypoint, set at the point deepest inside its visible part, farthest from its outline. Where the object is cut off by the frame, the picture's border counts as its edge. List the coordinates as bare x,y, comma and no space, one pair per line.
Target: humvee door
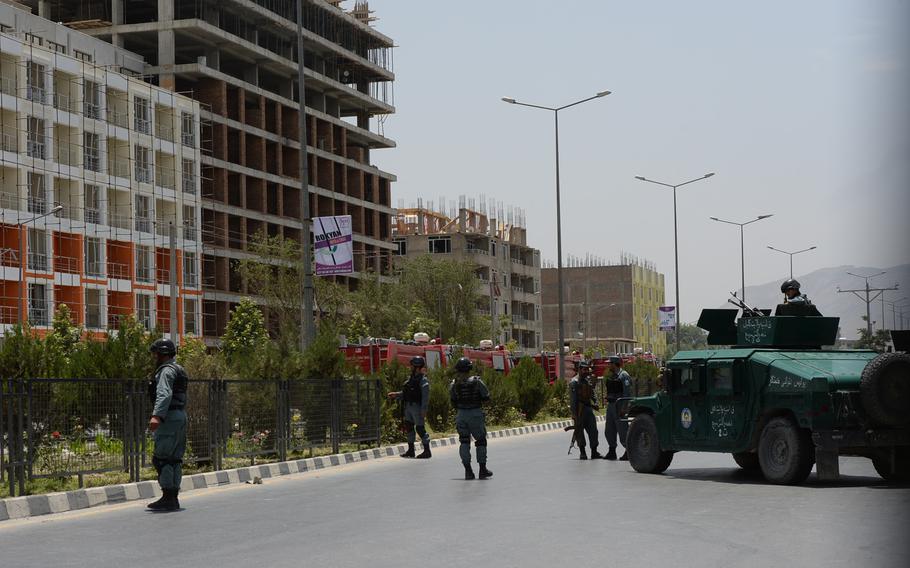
688,418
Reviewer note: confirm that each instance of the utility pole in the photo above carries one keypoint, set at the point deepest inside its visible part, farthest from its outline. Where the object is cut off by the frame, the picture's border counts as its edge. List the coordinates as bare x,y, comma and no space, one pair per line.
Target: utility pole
865,294
308,326
172,233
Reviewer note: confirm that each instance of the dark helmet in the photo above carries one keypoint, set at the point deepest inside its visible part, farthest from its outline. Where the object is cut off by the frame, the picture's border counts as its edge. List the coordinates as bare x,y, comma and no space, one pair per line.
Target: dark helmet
616,360
163,347
418,361
582,365
464,365
789,285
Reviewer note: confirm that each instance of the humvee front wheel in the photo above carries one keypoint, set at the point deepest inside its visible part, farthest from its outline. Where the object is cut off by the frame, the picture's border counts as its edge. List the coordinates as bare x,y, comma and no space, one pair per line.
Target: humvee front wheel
785,452
747,460
643,445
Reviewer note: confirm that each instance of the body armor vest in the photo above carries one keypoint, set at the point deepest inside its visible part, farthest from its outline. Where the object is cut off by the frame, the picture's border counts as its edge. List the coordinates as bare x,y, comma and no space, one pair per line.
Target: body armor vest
614,388
467,395
412,393
178,398
584,391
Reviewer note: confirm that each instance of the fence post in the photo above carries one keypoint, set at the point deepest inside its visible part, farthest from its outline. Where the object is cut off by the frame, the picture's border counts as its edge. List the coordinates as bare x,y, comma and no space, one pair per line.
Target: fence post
336,415
283,423
378,404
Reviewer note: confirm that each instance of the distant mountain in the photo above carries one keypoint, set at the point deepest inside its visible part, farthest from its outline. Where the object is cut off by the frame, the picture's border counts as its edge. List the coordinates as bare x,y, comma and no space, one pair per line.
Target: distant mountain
821,287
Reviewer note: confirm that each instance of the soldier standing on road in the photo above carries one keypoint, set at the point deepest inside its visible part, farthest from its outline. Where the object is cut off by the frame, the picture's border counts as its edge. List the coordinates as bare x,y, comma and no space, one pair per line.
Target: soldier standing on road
467,393
583,405
168,423
415,395
619,385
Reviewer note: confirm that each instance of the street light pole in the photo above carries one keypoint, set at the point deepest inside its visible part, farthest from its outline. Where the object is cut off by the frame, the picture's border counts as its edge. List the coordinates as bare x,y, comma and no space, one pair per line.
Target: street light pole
868,297
675,239
791,254
559,273
307,324
742,246
23,263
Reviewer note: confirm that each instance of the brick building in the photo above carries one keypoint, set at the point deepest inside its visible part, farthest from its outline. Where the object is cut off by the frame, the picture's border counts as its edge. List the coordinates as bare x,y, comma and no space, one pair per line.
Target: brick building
610,306
97,166
238,58
507,268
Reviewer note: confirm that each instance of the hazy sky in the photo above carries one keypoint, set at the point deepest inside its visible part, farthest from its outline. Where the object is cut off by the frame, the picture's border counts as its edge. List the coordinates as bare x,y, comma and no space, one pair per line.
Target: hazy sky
799,107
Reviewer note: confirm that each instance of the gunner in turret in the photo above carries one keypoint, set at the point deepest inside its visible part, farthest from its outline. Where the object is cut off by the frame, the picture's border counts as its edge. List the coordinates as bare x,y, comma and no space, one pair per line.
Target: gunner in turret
792,295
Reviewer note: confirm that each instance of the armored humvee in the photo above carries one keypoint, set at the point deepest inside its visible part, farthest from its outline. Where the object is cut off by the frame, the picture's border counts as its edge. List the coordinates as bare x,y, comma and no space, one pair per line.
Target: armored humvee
776,401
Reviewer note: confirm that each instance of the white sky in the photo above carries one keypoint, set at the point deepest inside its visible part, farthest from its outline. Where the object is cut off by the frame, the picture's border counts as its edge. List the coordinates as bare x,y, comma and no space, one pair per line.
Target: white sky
799,107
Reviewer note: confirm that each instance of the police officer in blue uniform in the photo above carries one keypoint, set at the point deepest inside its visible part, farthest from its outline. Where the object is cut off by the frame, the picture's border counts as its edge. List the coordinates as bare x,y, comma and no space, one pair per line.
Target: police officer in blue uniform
415,395
582,404
168,422
619,385
467,394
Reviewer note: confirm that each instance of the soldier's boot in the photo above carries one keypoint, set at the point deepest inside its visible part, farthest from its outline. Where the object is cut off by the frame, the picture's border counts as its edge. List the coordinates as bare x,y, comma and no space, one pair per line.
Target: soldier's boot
156,505
468,472
624,457
582,454
425,454
170,501
410,452
611,455
595,455
484,472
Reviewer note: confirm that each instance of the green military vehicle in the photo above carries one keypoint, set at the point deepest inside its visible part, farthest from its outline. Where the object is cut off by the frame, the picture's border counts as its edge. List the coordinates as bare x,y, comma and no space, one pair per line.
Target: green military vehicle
776,401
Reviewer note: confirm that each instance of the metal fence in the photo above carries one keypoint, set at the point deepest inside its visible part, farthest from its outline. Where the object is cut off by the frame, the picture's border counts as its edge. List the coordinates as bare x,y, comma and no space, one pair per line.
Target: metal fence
74,427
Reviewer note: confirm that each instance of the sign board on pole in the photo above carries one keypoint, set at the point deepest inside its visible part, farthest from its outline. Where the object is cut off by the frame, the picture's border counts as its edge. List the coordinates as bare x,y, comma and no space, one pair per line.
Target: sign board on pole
334,245
667,315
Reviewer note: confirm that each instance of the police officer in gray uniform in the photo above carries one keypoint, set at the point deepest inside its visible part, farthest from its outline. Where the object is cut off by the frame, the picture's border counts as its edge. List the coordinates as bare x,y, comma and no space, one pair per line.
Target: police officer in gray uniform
415,395
168,422
582,403
619,385
467,394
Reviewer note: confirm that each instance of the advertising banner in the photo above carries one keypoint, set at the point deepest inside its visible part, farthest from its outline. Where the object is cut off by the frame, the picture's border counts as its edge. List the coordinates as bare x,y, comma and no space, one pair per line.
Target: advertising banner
667,315
334,244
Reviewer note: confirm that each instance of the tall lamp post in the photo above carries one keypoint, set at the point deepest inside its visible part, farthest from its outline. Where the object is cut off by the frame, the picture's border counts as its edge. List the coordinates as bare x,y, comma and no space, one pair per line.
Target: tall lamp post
792,254
742,246
23,264
675,237
869,298
894,306
559,282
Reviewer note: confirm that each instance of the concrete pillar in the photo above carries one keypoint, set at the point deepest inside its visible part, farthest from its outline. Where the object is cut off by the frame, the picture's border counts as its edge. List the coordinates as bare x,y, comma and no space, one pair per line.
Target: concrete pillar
116,20
251,74
166,77
213,58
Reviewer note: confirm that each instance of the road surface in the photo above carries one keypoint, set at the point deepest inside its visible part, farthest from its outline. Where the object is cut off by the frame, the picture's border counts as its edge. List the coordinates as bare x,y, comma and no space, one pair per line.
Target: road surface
541,508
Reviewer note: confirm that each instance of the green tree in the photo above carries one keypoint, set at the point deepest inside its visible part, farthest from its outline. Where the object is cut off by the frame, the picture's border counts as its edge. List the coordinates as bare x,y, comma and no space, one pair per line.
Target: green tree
382,306
245,333
531,387
876,341
691,337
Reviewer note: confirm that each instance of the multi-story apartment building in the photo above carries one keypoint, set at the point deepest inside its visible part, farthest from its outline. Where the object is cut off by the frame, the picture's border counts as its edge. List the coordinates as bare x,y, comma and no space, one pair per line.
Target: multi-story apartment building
96,166
507,268
239,59
613,307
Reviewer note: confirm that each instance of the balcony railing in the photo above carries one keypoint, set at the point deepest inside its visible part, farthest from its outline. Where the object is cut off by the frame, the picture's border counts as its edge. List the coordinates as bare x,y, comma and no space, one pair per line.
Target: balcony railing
119,221
37,205
165,132
162,275
142,125
66,212
35,148
190,280
9,139
143,174
189,232
67,154
189,183
9,315
8,201
9,257
35,94
37,261
165,178
8,85
475,250
91,161
38,313
145,273
188,139
162,228
118,270
67,264
94,269
92,215
91,110
65,103
144,224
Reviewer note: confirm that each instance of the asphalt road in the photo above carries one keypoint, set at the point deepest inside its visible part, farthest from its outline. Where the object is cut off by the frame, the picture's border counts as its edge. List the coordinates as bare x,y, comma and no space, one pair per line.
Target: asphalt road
541,508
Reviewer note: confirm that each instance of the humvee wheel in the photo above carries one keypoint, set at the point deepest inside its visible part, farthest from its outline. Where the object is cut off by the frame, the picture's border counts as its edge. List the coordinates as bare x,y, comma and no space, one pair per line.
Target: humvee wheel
901,470
785,452
643,445
885,389
747,460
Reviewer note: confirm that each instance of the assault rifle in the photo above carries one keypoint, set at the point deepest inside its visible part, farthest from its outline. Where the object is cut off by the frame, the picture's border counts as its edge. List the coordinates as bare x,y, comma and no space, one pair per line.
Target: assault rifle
574,427
747,311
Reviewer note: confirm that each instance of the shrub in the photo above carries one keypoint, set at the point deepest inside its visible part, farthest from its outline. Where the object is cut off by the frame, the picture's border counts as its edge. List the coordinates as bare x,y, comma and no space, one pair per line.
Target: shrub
644,377
531,387
440,414
392,376
503,396
558,404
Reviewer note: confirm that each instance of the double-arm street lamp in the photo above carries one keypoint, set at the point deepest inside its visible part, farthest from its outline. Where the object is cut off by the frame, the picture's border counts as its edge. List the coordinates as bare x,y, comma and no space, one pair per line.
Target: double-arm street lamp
559,283
23,263
742,248
792,254
675,238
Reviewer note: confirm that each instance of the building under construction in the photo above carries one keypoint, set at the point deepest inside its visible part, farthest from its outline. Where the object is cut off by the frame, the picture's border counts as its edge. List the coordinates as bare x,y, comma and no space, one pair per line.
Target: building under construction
238,58
495,240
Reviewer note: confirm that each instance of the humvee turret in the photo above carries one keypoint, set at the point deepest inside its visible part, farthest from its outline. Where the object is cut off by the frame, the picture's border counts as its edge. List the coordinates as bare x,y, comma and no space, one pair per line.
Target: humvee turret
776,401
